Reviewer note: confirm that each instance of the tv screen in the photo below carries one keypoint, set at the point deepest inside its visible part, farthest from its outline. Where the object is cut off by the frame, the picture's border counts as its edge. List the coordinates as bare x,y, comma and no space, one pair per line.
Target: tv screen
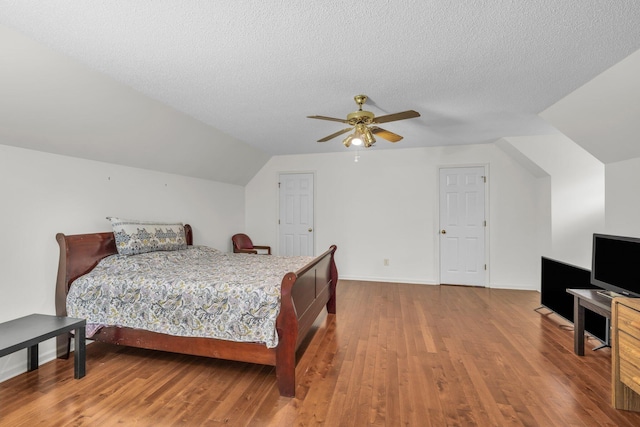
616,264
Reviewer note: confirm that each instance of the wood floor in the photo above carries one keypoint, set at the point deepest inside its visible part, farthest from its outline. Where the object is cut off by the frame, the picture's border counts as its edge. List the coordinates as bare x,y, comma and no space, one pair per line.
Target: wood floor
395,355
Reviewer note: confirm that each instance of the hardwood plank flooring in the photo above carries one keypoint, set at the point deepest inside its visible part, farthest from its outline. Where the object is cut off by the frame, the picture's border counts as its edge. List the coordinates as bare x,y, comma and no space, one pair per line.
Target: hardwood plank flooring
394,355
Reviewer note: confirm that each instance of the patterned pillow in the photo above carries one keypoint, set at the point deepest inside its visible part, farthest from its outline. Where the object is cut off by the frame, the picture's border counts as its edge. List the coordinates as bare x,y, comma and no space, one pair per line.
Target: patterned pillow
138,237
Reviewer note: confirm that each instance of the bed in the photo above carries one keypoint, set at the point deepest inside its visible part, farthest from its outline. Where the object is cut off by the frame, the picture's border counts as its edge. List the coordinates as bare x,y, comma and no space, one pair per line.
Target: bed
303,296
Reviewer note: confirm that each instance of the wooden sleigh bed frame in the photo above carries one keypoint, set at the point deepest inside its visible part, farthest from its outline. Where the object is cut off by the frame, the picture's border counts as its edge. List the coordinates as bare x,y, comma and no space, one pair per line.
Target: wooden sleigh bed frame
304,294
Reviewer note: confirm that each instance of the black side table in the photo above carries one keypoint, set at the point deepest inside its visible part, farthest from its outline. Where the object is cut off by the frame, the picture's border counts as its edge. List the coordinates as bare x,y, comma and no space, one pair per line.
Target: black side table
27,332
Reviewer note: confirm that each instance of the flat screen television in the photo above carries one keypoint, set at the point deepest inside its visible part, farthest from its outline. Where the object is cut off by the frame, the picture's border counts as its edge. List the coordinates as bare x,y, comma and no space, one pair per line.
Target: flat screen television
556,277
616,264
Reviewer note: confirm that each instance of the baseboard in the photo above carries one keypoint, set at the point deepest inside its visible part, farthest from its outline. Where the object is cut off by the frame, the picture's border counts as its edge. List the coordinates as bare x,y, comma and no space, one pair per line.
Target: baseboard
16,363
388,280
514,287
429,282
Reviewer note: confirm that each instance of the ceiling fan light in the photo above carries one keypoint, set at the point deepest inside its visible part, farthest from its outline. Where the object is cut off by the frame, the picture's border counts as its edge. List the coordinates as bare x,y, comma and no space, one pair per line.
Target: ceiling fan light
360,135
369,140
347,141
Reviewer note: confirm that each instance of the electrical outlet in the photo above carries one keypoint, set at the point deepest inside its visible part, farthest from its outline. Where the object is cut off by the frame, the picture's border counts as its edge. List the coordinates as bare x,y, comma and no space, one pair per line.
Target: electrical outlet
386,262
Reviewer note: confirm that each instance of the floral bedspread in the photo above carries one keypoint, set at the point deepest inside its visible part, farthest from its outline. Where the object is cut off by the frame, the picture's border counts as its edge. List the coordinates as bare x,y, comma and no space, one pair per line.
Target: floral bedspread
196,292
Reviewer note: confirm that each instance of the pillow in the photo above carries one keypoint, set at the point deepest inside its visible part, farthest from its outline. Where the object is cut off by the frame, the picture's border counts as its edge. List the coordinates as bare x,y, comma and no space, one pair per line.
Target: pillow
138,237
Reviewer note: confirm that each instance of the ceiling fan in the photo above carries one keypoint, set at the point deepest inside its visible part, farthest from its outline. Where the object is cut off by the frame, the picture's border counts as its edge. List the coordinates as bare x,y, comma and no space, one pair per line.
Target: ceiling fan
362,122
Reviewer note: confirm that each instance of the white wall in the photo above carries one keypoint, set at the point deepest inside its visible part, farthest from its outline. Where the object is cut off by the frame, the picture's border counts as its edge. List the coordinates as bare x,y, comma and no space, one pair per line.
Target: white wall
623,198
42,194
385,206
577,194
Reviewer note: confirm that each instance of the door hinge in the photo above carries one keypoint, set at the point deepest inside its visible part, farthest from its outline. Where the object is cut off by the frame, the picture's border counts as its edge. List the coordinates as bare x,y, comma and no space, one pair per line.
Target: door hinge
278,222
278,185
485,222
484,178
485,266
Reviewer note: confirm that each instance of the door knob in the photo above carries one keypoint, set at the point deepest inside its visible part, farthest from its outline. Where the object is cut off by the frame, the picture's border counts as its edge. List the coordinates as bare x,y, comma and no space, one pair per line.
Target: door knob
444,232
310,230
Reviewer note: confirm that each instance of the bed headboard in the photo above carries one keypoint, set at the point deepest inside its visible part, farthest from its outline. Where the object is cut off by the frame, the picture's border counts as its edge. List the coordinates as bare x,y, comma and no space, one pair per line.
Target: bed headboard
79,253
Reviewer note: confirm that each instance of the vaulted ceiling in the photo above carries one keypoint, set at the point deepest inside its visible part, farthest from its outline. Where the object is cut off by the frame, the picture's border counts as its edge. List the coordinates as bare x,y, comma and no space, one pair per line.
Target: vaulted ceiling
199,88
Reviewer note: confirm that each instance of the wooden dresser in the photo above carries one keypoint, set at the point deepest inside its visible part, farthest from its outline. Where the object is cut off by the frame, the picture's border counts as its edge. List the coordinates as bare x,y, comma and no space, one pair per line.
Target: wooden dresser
625,354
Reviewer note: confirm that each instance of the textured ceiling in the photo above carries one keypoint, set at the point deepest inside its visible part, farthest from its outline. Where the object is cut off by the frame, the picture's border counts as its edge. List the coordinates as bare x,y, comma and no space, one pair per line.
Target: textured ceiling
475,70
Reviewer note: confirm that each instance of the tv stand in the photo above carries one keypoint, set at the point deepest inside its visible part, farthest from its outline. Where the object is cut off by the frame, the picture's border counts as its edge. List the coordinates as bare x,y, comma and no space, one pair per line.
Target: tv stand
588,299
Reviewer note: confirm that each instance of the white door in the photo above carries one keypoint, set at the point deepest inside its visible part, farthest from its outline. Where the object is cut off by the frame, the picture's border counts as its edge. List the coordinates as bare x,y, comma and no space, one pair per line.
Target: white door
462,226
296,214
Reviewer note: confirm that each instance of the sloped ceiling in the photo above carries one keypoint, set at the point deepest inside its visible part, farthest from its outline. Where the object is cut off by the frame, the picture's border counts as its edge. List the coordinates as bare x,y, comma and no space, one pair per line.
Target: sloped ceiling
52,103
236,79
603,116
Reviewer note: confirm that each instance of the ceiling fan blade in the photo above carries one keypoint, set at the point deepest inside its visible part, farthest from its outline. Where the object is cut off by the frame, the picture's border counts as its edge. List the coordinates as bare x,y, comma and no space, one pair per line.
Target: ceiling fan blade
333,135
333,119
389,136
410,114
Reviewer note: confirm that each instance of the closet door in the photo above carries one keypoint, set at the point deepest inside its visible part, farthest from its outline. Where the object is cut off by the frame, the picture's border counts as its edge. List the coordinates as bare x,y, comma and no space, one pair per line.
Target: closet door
296,232
462,226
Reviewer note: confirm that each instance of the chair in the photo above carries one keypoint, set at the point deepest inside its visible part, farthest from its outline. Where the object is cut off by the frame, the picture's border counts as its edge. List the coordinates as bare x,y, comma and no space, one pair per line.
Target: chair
242,244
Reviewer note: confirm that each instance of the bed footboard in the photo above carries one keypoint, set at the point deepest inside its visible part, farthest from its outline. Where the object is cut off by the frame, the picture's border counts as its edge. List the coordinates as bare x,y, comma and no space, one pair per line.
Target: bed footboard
305,293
